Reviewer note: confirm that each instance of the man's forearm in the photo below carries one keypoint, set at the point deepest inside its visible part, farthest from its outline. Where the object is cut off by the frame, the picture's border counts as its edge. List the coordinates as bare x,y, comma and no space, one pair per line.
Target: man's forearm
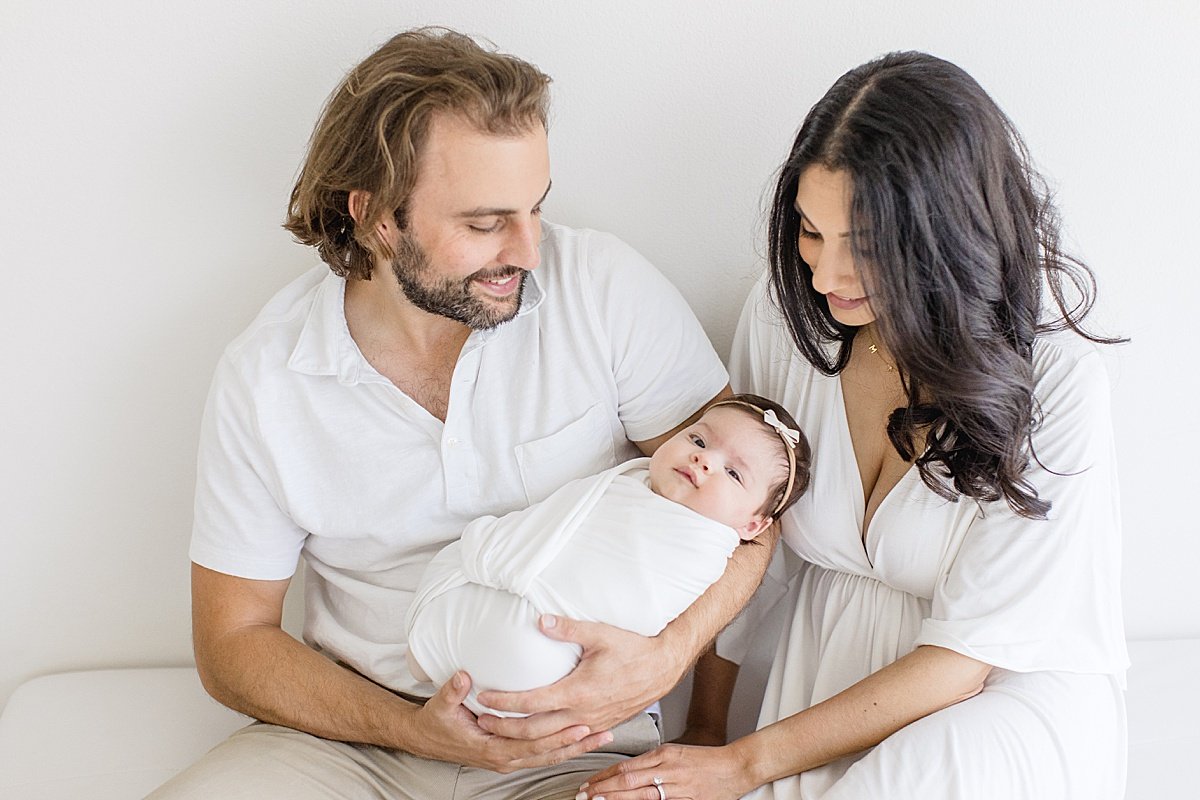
689,634
261,671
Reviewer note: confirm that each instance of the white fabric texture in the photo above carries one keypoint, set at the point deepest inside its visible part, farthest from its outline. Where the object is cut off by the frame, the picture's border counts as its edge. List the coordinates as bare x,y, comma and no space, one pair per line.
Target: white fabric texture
1038,600
306,448
601,549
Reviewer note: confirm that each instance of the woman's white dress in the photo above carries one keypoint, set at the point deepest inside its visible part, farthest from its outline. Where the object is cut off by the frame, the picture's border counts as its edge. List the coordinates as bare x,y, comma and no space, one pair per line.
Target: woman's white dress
1038,600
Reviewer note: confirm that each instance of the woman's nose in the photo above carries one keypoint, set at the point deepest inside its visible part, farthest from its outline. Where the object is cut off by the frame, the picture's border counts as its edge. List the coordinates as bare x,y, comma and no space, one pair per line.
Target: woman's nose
834,270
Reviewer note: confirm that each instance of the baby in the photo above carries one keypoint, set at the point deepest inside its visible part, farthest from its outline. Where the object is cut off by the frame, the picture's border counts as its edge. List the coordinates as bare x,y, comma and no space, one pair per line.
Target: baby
632,547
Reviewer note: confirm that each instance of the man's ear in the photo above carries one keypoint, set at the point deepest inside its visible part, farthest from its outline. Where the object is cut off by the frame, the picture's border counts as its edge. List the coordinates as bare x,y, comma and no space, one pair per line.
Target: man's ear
357,204
385,230
757,524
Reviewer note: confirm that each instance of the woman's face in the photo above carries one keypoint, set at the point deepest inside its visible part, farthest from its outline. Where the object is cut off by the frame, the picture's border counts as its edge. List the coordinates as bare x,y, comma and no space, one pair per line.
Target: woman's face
823,203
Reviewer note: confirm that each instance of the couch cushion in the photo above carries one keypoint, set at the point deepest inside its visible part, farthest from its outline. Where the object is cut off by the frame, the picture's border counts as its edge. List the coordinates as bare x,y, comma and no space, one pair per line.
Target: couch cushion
106,734
116,734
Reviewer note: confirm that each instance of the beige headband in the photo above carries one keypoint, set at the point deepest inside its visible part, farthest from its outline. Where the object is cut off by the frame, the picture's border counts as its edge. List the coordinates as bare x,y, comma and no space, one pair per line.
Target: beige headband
790,437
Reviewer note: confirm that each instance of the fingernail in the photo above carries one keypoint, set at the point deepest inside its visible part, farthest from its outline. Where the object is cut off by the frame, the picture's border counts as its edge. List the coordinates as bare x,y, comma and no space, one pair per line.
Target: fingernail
606,738
581,796
584,786
458,680
549,620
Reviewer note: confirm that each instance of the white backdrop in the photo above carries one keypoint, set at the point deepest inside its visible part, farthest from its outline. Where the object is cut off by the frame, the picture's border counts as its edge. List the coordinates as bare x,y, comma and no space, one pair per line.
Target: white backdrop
147,150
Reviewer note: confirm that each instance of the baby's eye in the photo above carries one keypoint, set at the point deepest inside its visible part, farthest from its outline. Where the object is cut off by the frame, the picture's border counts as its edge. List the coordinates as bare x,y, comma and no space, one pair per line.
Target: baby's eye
733,473
697,440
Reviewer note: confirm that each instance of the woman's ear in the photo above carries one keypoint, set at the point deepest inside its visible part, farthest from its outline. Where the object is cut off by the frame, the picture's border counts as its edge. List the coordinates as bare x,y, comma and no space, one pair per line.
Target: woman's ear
757,524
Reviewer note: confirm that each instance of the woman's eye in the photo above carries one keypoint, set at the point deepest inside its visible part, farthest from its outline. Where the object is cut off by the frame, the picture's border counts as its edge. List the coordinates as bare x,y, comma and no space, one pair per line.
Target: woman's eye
805,233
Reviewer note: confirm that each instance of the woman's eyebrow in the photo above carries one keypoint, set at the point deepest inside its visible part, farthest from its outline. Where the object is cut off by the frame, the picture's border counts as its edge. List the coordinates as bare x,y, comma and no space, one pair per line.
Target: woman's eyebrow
803,216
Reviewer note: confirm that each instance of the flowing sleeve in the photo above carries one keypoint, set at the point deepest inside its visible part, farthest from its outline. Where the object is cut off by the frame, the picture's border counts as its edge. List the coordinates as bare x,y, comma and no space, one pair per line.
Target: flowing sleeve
759,362
1028,595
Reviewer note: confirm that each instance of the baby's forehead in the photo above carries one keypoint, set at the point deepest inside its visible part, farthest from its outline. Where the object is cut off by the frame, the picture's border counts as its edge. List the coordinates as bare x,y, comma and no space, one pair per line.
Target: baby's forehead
742,426
733,417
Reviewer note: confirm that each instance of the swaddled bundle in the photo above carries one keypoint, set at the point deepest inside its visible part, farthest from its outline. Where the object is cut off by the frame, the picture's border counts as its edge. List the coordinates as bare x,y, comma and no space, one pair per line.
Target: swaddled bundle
604,549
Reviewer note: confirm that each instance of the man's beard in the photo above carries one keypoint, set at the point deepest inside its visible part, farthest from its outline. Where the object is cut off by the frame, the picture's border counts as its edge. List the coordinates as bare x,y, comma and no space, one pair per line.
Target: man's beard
450,298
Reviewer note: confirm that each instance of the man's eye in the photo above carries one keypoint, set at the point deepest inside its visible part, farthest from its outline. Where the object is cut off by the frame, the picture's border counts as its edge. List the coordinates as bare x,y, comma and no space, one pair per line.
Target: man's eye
480,229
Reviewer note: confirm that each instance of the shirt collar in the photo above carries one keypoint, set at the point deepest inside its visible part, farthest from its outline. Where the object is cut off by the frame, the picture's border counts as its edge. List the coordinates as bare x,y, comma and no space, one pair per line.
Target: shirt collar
325,346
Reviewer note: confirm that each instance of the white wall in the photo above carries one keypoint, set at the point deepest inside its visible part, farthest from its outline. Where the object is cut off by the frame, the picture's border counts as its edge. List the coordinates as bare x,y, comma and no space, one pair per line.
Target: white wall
147,149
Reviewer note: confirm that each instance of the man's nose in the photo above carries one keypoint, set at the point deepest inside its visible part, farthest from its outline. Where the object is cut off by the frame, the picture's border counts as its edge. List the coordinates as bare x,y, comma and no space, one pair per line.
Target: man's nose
522,246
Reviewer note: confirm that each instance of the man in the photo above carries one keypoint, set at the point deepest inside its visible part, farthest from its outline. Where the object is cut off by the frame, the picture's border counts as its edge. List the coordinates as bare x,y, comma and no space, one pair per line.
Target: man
429,376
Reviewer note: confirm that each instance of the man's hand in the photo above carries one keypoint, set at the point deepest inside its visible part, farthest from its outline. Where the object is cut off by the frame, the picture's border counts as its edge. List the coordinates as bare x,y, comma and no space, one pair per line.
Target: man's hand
619,674
449,732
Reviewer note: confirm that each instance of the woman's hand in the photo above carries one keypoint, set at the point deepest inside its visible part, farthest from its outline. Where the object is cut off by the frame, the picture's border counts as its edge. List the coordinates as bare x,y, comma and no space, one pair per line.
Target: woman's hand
686,773
701,737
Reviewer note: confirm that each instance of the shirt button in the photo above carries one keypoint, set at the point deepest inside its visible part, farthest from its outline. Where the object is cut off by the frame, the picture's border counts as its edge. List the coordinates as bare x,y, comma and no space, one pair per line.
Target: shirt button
452,442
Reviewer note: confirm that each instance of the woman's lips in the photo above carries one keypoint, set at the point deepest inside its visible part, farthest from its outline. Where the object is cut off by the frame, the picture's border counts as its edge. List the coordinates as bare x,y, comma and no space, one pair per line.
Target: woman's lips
844,303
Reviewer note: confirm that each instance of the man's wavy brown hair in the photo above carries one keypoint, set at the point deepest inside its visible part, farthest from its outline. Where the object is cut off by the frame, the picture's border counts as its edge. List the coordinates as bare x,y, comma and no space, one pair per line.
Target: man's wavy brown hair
372,130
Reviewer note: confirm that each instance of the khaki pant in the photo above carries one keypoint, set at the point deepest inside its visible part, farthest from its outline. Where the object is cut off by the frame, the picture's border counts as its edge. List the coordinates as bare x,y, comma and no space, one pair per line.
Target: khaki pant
270,762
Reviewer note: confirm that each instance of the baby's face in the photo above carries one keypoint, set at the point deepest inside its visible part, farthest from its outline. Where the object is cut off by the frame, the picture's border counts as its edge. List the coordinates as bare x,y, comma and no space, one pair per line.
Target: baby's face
721,467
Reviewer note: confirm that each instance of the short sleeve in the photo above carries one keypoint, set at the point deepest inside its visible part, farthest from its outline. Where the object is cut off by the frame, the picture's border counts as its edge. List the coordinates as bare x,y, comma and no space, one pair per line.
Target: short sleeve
239,528
663,363
1029,595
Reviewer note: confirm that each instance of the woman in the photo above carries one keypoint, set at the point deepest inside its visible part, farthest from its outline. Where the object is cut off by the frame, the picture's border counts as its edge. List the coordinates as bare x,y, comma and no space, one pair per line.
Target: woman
956,628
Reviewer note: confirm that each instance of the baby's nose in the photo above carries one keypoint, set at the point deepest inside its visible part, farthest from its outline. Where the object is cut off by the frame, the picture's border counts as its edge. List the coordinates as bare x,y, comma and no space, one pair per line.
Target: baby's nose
700,460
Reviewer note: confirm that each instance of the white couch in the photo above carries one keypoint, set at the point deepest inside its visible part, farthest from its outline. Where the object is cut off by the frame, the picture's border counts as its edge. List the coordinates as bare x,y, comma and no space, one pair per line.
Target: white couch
116,734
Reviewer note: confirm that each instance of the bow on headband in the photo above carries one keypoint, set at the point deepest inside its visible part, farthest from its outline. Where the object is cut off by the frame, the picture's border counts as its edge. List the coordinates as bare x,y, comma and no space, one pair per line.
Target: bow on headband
790,434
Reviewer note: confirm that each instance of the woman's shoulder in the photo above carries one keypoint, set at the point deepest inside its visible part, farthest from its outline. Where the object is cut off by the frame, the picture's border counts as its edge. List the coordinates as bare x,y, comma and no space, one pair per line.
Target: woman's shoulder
1066,363
1073,403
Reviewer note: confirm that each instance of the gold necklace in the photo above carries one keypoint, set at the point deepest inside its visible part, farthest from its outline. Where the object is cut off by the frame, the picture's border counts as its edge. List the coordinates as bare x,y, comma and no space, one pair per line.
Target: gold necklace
874,348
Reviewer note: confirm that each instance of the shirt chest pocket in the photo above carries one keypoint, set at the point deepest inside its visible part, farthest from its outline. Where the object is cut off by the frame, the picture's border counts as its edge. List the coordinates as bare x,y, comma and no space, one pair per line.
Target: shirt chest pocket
582,447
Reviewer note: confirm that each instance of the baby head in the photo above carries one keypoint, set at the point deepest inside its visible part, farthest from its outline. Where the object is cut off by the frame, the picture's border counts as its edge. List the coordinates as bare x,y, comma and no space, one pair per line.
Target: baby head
743,463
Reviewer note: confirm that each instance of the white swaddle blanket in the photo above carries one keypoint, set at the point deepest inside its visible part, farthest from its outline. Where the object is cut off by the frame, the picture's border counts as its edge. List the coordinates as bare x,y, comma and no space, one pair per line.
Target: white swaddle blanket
603,549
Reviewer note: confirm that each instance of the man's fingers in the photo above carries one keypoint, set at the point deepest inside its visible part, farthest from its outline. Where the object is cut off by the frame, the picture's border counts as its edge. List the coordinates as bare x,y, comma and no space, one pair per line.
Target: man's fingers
454,691
567,752
536,726
546,700
565,629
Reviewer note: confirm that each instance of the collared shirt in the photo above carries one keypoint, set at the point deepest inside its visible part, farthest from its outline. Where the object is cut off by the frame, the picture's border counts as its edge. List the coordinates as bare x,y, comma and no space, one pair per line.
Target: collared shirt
305,447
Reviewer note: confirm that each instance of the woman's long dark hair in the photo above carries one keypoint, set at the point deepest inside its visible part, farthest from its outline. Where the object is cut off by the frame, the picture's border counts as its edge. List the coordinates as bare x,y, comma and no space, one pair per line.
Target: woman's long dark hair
954,235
